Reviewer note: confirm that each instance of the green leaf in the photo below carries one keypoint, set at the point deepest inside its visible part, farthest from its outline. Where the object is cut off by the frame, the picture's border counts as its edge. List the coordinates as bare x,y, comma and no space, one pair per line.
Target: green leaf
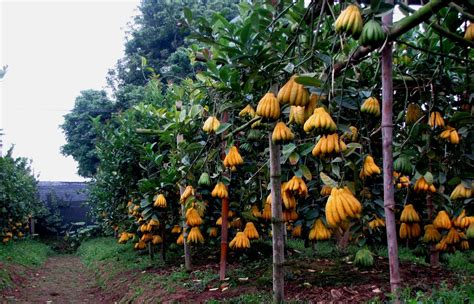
245,33
287,149
223,127
294,158
428,177
188,14
327,180
306,172
308,81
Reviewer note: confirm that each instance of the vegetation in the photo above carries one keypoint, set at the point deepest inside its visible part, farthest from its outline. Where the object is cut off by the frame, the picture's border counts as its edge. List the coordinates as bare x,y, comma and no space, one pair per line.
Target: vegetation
18,198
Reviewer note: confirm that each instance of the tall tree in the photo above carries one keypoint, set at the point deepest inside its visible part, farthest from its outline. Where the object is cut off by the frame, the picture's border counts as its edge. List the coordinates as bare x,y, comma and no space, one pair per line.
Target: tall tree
79,130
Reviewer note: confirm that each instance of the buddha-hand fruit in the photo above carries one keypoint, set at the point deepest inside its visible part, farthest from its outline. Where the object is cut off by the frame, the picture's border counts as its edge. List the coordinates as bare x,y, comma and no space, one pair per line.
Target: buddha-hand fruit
376,223
220,191
408,231
321,121
204,180
293,93
442,220
211,125
240,241
297,185
193,218
296,232
312,105
341,205
281,133
413,113
325,190
432,234
195,236
371,106
422,185
188,192
297,115
233,158
329,144
160,201
350,21
248,111
372,34
213,232
319,231
436,120
250,231
268,107
409,214
369,168
461,192
364,258
451,135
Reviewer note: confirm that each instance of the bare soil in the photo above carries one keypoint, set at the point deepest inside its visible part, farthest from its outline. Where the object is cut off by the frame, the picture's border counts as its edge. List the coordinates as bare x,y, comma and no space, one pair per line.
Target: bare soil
62,279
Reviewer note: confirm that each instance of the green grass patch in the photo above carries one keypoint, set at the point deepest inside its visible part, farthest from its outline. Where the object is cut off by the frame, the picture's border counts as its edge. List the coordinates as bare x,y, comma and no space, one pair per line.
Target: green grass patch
262,297
25,252
405,255
444,294
104,250
460,262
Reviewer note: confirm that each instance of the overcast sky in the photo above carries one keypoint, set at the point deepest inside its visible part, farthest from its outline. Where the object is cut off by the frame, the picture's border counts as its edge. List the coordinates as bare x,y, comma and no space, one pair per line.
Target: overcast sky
54,50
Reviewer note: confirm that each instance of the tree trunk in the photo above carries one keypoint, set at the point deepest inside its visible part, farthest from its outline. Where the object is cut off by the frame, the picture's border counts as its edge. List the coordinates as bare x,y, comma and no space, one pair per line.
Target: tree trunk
277,223
224,243
387,130
187,251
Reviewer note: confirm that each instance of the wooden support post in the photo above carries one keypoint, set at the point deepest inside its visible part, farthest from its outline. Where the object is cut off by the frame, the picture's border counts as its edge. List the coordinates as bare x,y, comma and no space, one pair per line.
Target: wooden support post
278,225
387,130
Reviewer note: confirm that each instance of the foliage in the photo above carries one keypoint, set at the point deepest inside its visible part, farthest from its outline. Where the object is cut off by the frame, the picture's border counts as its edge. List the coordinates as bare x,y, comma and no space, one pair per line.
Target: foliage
18,196
90,107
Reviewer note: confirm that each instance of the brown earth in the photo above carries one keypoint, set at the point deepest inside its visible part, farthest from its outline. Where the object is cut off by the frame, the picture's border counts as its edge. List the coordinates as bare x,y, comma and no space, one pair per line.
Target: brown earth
62,279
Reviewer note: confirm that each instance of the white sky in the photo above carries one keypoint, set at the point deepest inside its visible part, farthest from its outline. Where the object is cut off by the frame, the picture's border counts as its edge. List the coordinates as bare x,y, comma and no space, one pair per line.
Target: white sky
54,49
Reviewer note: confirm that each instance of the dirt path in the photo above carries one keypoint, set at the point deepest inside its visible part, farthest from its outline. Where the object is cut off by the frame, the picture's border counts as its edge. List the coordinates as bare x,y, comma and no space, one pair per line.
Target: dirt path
62,279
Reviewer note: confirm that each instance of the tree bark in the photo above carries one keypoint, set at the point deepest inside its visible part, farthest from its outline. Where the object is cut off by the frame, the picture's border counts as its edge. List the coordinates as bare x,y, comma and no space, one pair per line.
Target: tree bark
187,251
278,226
224,238
387,130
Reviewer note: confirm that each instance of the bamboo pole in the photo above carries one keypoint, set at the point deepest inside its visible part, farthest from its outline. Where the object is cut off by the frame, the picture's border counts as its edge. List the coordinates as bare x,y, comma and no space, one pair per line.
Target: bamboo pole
387,130
277,222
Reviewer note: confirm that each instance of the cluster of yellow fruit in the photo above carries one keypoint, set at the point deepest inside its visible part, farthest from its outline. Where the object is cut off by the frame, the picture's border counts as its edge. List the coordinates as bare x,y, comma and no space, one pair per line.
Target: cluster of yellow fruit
268,107
456,235
282,134
414,113
325,190
341,205
297,115
248,111
436,120
451,135
125,236
422,185
371,106
211,124
233,158
329,144
293,93
377,222
294,187
321,121
160,201
461,192
193,218
401,181
352,134
369,168
220,191
410,228
13,229
240,241
149,232
350,21
319,231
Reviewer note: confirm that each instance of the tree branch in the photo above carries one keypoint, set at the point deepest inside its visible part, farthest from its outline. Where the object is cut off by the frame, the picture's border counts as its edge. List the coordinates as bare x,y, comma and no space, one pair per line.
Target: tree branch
462,11
459,59
399,28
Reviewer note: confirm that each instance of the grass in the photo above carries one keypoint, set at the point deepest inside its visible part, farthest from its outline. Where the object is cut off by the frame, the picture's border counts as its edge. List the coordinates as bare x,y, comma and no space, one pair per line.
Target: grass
460,262
262,297
28,253
444,294
104,250
405,255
